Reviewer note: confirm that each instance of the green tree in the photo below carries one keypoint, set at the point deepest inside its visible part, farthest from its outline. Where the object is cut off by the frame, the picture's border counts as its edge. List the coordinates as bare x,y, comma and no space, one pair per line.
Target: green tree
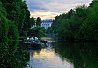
78,24
11,54
37,32
32,21
38,21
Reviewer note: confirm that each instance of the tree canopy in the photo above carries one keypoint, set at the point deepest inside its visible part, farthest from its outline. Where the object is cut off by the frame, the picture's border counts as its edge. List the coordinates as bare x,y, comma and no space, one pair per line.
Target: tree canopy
13,17
38,21
78,24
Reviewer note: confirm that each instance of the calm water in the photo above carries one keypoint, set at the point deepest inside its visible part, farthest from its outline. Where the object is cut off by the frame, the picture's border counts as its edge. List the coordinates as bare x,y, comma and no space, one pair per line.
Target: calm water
65,55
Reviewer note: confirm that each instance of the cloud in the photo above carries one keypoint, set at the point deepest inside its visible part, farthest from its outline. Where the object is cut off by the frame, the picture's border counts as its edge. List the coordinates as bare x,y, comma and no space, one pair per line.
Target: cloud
44,14
35,5
55,6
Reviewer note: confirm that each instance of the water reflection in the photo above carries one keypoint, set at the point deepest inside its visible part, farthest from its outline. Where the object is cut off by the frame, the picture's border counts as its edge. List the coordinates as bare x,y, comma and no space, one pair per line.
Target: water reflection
65,55
44,53
47,58
82,55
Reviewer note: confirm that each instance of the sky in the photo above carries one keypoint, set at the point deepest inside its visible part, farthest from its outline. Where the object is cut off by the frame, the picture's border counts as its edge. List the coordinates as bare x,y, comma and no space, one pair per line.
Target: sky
48,9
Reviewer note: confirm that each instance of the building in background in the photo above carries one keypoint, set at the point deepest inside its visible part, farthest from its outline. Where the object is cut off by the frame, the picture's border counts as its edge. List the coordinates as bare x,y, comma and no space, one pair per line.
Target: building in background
46,23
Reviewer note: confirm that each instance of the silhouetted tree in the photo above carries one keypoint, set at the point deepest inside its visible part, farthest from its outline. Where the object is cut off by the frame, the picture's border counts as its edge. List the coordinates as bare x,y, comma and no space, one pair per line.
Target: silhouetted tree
38,21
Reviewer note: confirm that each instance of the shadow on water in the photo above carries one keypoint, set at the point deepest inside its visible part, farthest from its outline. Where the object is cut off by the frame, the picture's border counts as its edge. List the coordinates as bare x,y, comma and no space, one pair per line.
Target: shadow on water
82,55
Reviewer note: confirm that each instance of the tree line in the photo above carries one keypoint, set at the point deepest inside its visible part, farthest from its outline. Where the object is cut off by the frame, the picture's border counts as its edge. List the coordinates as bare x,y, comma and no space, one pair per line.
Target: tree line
14,22
80,23
36,30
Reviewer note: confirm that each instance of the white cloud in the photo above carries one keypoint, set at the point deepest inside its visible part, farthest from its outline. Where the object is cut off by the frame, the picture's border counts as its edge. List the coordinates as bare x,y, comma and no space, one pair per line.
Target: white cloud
44,14
55,6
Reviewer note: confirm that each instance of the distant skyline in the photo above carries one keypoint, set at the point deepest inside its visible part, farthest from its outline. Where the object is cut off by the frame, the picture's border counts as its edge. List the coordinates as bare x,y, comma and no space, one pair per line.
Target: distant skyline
48,9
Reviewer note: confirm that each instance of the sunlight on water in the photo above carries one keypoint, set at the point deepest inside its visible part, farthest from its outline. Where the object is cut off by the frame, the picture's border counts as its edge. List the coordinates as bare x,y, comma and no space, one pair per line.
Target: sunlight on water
44,53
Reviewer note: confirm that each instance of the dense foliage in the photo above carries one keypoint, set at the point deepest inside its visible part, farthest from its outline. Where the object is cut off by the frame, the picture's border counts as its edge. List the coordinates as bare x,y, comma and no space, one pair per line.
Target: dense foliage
78,24
36,30
14,21
32,21
38,21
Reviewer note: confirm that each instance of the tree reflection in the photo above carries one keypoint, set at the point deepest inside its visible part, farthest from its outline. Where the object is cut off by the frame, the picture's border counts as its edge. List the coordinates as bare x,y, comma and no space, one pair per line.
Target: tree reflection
82,55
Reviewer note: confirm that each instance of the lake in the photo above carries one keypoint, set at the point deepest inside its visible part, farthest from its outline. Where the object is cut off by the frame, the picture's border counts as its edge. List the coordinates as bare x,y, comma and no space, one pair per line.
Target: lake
64,55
